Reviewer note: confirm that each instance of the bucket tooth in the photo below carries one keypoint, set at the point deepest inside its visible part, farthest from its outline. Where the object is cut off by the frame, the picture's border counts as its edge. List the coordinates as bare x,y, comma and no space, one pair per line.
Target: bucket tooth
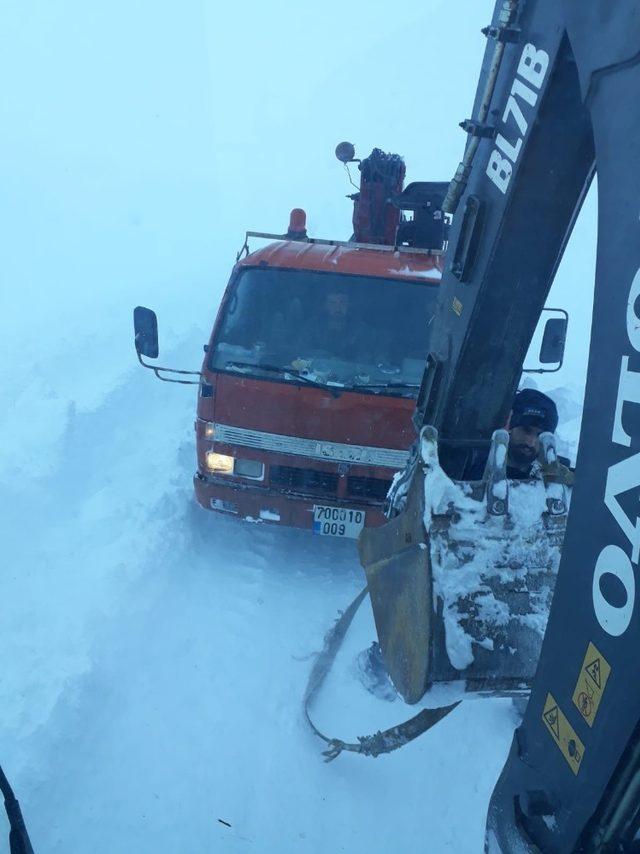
557,493
495,475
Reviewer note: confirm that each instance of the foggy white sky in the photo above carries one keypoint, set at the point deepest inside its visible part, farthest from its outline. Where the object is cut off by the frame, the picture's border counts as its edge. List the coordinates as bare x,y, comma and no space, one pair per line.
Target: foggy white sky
140,140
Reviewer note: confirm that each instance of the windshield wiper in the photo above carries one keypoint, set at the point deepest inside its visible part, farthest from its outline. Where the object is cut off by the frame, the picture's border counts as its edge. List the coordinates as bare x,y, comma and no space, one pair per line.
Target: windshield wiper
274,369
383,385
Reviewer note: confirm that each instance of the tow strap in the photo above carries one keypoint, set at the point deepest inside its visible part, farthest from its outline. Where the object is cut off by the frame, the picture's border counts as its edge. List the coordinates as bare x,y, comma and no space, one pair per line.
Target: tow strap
368,745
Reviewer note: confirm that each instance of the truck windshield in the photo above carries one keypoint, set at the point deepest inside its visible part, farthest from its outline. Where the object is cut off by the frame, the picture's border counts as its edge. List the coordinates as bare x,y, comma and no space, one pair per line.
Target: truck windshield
330,329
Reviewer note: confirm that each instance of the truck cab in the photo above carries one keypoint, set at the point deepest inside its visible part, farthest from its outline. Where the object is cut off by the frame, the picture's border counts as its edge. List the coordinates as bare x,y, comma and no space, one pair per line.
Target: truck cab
310,380
315,360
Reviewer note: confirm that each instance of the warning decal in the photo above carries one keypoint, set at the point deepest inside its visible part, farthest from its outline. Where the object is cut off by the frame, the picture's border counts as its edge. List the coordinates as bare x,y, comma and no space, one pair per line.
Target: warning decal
563,734
551,720
591,683
593,670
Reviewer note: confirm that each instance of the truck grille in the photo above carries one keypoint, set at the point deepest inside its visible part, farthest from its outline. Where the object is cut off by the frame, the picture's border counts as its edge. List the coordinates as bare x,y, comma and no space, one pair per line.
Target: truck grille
368,487
303,480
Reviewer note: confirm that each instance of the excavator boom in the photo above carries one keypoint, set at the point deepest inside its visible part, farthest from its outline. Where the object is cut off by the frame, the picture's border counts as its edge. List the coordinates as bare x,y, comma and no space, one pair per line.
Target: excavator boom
558,100
571,781
488,578
528,164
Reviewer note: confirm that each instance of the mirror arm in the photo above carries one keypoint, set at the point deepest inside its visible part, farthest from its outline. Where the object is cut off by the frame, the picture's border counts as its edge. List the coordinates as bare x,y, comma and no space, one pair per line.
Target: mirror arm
553,370
157,368
542,370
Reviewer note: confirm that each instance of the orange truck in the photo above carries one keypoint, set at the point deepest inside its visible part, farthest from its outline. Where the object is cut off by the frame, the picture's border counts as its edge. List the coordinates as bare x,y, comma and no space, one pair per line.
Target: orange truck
315,360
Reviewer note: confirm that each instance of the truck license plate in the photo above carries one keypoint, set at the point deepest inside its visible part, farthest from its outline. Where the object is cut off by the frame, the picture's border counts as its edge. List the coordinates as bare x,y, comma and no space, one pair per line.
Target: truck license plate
337,521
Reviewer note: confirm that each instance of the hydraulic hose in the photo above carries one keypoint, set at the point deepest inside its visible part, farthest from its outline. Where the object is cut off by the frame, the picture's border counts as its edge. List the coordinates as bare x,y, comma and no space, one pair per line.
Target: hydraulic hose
459,180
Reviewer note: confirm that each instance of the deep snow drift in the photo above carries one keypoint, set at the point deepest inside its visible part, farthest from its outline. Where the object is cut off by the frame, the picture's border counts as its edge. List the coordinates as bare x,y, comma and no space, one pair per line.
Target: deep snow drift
156,657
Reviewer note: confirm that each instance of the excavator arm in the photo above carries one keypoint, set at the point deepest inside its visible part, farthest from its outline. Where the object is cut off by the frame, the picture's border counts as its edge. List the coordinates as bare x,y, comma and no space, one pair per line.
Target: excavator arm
528,164
572,780
558,99
453,591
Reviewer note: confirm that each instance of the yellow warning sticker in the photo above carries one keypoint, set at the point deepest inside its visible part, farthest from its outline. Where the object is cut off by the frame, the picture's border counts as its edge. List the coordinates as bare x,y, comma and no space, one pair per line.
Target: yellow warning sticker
591,683
563,734
457,306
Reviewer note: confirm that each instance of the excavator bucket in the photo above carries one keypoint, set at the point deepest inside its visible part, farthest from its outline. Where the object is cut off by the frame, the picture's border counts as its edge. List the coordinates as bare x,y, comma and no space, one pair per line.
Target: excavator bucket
461,579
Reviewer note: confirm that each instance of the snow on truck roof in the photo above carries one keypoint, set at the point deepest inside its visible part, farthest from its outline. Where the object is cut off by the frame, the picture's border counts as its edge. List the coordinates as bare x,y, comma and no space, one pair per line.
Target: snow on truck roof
350,258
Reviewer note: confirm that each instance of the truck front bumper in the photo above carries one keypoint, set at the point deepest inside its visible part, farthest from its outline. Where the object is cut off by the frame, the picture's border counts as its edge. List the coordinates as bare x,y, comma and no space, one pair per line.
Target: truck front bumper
259,504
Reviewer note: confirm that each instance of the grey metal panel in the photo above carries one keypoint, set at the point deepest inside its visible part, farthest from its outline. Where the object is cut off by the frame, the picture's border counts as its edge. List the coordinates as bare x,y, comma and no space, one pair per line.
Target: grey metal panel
603,33
316,449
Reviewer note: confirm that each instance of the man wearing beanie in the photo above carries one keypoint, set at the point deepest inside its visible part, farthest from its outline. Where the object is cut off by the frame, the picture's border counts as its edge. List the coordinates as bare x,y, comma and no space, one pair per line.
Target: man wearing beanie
532,413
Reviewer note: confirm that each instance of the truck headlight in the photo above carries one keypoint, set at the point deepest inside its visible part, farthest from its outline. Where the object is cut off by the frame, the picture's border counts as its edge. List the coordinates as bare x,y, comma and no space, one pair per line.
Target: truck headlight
219,463
209,430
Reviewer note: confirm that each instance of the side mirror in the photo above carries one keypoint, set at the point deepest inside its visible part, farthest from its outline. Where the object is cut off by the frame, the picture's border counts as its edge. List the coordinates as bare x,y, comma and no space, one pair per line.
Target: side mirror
145,324
553,341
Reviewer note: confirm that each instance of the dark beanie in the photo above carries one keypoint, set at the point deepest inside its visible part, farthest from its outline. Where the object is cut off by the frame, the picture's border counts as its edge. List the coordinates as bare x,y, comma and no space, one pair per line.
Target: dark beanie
532,408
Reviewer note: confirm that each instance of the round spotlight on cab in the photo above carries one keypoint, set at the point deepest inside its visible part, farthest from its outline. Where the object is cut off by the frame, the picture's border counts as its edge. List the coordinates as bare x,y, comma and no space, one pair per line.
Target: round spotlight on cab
345,152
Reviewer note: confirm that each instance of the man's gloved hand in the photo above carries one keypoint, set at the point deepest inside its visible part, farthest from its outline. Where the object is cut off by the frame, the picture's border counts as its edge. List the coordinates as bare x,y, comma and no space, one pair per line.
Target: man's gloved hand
557,472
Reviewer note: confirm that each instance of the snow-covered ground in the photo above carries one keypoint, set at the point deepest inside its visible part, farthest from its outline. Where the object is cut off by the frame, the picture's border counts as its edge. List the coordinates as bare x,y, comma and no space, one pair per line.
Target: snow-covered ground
154,656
